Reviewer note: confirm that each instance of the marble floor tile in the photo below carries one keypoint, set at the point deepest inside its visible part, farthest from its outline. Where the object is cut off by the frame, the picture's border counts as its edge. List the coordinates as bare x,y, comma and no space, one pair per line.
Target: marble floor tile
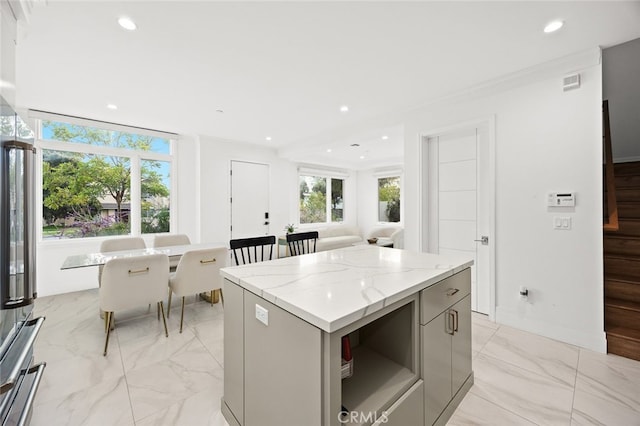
72,338
200,409
592,407
610,378
538,398
474,410
66,376
211,334
157,386
480,335
144,324
482,319
534,353
105,404
138,353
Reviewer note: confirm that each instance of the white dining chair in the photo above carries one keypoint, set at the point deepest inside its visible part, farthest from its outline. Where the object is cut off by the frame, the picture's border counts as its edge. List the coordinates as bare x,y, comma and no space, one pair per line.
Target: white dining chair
198,271
165,240
118,244
131,282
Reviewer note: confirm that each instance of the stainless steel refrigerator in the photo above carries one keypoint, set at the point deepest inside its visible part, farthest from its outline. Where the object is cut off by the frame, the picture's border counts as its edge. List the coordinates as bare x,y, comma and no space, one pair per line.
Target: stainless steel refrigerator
19,378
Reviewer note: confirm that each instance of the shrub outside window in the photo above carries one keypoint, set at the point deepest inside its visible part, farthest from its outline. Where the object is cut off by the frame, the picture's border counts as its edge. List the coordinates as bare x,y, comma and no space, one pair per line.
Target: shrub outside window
321,198
389,199
118,185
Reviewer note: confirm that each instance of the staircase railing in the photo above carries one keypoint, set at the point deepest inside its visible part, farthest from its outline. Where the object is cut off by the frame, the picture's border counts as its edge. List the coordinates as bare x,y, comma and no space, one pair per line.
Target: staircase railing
611,216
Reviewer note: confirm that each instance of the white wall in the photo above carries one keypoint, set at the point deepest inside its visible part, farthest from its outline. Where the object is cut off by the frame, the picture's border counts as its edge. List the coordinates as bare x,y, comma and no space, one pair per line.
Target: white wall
546,140
215,161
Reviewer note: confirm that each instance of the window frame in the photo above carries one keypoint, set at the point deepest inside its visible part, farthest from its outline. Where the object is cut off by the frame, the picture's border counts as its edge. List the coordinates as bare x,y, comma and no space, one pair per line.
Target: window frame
328,193
391,174
135,157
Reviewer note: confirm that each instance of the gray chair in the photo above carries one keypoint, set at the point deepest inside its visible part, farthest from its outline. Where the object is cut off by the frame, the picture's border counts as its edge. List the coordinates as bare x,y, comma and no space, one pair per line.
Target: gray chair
198,271
133,281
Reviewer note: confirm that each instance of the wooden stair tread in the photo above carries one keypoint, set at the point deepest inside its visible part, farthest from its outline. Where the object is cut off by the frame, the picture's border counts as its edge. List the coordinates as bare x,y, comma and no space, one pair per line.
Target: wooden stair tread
623,237
625,333
622,279
622,304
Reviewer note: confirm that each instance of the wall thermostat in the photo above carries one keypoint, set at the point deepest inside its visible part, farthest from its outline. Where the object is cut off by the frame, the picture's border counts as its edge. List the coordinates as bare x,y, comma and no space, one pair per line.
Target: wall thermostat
561,199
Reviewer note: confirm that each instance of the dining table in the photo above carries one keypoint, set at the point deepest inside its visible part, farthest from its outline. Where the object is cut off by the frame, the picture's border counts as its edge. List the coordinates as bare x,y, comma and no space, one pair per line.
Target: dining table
173,252
98,259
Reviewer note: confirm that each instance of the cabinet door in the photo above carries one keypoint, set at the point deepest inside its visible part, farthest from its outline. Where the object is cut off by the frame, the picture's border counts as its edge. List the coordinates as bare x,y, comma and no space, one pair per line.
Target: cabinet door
282,368
233,349
461,344
407,410
436,366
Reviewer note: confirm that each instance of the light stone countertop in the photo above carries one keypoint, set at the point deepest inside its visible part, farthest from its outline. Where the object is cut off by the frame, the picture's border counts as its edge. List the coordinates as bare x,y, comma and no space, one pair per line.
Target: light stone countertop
332,289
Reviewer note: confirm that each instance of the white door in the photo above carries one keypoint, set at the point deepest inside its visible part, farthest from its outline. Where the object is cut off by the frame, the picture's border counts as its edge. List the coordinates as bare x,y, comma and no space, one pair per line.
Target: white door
249,199
458,203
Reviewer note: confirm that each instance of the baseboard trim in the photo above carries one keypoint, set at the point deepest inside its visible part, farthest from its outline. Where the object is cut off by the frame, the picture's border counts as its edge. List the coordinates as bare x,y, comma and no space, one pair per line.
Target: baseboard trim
595,341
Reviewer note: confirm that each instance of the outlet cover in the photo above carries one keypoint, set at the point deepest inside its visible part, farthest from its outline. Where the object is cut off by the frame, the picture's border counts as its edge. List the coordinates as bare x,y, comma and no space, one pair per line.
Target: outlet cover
262,314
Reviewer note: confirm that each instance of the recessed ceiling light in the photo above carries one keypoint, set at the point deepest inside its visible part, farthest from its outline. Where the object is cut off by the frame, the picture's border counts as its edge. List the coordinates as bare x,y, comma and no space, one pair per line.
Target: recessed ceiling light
553,26
112,106
127,23
268,138
329,150
344,108
362,157
385,137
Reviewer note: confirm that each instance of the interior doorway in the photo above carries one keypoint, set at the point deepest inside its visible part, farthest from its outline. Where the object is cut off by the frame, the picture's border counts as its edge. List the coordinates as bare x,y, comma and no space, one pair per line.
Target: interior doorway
249,199
458,202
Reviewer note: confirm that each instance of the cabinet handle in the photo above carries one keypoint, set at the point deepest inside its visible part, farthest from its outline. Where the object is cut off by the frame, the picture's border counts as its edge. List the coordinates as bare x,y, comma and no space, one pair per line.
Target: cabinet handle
455,320
451,322
452,291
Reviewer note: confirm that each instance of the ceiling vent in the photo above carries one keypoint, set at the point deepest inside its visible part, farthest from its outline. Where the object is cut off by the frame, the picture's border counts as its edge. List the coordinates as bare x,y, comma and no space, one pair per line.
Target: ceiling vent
570,82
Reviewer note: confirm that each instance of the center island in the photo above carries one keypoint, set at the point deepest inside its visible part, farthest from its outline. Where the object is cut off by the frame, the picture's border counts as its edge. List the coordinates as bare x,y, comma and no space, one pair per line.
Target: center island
361,335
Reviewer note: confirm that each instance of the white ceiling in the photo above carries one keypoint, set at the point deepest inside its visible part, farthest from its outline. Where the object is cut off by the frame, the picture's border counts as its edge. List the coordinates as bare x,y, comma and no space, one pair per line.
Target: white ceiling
283,69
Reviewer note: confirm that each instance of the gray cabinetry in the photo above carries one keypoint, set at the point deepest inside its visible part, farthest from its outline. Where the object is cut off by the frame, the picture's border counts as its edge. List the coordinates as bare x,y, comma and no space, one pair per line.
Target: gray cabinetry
411,361
446,343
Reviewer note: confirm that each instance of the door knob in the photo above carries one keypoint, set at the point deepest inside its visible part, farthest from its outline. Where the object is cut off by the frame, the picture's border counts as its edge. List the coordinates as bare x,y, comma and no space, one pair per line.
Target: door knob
484,240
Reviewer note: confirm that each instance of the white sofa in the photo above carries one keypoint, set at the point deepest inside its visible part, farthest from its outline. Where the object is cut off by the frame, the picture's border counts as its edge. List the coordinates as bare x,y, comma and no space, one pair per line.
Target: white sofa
337,237
389,235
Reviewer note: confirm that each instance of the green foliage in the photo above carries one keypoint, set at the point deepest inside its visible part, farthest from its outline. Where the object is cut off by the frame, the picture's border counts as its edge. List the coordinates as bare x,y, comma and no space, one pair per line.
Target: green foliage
313,208
389,192
158,221
74,183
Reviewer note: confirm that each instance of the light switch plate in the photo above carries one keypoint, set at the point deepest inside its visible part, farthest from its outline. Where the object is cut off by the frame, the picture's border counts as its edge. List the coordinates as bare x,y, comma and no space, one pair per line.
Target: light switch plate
262,314
562,223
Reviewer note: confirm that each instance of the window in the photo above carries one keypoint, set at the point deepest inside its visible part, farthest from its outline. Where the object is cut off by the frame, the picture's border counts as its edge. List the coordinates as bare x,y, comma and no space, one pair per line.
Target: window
389,199
321,198
98,181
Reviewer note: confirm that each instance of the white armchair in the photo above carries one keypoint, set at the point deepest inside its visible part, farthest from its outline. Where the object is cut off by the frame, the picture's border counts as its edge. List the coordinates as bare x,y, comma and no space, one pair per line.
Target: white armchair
389,235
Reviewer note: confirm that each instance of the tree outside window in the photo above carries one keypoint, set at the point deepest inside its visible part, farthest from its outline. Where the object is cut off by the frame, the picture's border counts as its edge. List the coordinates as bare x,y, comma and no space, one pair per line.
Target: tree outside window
319,201
389,199
87,195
